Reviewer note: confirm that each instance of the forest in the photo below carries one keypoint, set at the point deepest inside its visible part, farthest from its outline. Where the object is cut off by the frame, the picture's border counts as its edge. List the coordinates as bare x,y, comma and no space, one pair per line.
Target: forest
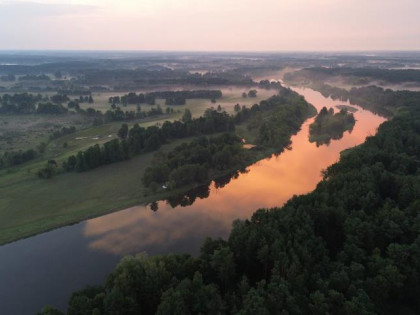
363,75
328,125
349,247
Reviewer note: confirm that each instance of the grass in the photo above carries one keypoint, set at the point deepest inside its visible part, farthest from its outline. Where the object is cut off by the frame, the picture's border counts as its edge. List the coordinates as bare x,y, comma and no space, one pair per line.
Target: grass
231,96
27,131
29,205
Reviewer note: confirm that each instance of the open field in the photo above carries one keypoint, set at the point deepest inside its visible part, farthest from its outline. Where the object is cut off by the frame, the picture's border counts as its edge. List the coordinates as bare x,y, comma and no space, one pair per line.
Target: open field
20,132
29,205
231,97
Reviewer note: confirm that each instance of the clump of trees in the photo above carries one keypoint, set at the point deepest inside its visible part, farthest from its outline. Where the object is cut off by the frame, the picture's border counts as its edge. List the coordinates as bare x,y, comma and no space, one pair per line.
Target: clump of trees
328,125
50,108
274,120
358,74
24,103
20,103
34,77
59,98
13,158
352,246
64,131
252,93
192,162
171,97
49,170
268,85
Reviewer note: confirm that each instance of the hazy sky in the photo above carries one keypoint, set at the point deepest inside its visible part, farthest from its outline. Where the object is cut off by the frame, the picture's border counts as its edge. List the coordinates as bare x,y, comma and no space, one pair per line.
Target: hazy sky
216,25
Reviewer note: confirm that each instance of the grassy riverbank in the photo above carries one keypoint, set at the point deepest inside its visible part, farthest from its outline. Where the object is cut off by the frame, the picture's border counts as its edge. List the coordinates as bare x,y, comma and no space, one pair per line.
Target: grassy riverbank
30,205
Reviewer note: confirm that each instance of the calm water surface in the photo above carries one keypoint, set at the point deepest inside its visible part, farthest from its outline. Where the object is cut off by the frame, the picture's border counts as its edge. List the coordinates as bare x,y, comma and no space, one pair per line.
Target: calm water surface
46,268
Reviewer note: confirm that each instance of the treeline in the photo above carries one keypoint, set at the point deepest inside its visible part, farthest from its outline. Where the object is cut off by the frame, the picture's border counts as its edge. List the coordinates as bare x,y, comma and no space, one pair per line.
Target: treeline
352,246
376,99
24,103
269,85
50,108
8,78
124,79
201,191
139,140
34,77
328,125
192,162
64,131
171,97
13,158
388,75
119,115
274,120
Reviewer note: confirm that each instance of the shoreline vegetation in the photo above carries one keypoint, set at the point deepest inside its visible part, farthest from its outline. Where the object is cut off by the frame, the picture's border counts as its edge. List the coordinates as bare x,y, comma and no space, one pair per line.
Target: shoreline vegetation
351,109
79,201
378,100
350,246
329,125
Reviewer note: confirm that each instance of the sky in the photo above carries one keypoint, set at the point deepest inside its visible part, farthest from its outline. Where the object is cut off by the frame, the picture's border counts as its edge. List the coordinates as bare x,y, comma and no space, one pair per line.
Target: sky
210,25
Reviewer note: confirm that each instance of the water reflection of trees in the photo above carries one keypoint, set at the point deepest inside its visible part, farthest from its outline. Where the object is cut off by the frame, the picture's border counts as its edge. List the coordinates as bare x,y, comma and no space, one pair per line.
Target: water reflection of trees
337,136
201,192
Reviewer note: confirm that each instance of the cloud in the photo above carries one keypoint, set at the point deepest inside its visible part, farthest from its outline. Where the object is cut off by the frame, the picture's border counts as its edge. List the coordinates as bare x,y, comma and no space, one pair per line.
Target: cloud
19,9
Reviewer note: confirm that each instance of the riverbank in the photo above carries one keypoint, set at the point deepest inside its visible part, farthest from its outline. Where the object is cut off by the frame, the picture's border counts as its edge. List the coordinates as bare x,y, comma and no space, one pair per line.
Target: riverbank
96,245
31,206
97,196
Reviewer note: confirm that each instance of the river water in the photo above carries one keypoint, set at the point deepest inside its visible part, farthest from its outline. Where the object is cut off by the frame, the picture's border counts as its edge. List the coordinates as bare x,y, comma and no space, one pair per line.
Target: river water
46,268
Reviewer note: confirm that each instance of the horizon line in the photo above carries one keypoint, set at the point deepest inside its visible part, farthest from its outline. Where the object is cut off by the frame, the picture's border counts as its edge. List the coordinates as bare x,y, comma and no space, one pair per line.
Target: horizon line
211,51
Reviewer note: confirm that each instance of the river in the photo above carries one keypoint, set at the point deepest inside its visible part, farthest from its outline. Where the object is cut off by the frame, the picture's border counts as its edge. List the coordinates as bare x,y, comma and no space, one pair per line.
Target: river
46,268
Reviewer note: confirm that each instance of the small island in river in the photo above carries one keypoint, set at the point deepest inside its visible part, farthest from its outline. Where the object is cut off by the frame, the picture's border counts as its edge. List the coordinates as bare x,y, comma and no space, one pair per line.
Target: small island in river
328,125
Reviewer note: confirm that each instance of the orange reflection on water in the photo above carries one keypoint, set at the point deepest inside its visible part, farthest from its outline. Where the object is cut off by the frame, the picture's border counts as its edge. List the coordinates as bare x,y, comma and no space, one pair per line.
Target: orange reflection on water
269,183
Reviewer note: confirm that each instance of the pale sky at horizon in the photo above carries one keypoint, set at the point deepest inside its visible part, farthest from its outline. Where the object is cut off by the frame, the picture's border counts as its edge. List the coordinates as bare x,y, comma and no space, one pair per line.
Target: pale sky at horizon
210,25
